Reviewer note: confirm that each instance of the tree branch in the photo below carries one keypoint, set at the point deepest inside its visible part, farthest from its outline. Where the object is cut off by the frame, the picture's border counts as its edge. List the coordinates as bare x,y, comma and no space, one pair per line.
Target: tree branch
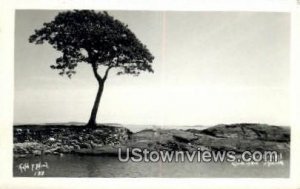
98,77
106,73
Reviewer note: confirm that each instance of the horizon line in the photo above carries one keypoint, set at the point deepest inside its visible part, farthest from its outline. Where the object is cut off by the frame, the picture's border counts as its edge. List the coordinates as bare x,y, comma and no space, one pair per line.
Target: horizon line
153,125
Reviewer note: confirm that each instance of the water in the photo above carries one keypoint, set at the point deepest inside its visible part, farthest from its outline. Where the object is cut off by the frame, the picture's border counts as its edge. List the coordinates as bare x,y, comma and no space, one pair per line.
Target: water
72,165
137,128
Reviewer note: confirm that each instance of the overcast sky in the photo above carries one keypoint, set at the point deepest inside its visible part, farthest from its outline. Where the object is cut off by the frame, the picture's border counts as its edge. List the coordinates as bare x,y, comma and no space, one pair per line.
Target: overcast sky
210,68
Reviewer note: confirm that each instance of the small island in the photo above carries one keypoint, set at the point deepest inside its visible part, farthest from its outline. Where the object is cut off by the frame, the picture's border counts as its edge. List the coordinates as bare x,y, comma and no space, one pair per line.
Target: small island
107,139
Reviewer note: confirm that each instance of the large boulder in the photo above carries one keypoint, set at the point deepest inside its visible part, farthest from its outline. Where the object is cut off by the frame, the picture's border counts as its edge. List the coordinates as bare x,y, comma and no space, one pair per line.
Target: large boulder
242,137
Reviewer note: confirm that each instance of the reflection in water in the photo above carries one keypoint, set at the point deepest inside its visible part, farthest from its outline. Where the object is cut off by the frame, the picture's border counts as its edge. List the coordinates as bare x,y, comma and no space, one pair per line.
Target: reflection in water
104,166
91,169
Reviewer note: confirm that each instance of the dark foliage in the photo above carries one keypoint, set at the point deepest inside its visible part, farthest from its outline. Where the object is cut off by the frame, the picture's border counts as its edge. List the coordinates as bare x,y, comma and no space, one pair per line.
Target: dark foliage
95,38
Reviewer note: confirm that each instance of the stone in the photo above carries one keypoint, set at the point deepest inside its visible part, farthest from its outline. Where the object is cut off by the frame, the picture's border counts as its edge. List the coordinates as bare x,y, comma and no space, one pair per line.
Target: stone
47,151
51,139
37,152
85,145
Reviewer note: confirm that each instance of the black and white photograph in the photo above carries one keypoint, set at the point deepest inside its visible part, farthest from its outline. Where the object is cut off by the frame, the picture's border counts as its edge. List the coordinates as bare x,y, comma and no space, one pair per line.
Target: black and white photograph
160,94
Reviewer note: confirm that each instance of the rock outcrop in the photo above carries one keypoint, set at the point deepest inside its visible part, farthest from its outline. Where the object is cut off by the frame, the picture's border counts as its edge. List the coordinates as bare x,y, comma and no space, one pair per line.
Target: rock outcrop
242,137
59,139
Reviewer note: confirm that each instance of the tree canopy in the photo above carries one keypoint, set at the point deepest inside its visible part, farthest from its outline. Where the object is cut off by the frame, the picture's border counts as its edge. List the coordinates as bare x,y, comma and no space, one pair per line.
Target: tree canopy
95,38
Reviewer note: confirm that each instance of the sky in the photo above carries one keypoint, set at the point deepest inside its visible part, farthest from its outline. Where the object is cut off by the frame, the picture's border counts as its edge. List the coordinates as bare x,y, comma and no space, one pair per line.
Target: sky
209,68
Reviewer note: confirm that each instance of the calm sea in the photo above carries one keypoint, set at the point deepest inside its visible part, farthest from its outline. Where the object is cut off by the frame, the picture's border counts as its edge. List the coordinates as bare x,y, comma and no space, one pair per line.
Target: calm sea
72,165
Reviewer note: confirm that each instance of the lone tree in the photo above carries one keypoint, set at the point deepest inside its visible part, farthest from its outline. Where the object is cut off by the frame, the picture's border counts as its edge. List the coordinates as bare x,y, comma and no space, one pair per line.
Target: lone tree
95,38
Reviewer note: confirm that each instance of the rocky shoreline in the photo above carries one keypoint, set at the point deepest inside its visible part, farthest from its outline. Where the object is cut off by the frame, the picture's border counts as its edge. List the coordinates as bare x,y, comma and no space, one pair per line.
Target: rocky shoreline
106,139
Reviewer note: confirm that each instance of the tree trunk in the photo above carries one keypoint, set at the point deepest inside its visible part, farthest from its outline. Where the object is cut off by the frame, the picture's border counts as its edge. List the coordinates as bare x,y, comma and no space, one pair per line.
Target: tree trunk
92,120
